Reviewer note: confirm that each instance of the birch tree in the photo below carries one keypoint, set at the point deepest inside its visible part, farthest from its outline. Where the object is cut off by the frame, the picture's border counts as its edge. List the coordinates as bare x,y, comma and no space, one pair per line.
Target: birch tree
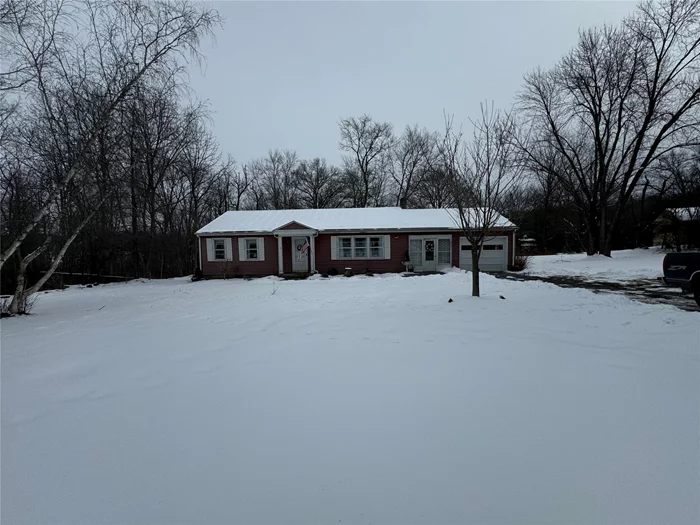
72,67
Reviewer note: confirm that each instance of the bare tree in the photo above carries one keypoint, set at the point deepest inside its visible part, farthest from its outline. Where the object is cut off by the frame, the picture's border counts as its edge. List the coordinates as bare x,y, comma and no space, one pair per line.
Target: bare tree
73,68
414,154
622,99
115,46
482,172
319,185
275,180
369,145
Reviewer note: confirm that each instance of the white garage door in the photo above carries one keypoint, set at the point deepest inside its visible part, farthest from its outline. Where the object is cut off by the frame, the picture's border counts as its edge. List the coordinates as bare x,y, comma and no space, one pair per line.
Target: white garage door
494,256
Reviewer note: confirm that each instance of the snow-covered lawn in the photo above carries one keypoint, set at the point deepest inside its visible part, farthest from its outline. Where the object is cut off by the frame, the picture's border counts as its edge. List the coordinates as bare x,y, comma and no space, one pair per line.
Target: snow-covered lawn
624,265
362,400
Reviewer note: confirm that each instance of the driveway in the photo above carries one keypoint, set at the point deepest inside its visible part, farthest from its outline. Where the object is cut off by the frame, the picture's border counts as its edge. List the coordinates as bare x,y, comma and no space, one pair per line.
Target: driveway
651,291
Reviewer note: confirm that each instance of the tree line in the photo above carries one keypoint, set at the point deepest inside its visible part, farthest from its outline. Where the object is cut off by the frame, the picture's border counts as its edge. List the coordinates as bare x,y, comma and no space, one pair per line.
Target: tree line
108,167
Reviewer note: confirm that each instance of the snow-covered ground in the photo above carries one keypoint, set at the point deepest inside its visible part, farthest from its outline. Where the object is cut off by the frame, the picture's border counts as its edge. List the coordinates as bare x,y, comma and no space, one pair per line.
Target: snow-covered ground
362,400
624,265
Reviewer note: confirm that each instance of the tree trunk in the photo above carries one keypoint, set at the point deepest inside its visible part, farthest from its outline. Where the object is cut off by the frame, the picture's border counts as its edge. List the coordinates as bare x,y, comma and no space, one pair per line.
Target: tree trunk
19,299
59,256
592,244
475,271
604,234
16,305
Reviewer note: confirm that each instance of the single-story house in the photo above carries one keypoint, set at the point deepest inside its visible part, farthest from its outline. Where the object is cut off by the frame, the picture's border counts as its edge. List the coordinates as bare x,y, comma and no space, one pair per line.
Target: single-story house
270,242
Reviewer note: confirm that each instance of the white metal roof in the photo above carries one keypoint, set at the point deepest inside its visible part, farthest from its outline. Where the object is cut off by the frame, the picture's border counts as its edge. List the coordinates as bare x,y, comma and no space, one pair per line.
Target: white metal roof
340,219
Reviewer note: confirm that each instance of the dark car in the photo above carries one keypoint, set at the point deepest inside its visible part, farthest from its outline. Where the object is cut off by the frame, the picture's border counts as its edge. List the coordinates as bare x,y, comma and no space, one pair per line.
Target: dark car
682,270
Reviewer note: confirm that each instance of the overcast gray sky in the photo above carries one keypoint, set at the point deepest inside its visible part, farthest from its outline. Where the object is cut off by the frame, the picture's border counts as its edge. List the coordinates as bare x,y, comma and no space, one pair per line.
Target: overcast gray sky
282,74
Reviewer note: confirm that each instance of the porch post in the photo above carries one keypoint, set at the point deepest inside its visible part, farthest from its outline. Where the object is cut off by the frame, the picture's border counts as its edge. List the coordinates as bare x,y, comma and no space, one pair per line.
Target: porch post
312,249
280,266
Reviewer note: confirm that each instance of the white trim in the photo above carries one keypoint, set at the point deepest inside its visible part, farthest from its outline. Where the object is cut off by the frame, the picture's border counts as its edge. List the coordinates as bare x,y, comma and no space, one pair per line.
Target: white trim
210,250
334,248
243,249
280,264
336,253
295,233
293,254
228,249
312,252
387,246
438,265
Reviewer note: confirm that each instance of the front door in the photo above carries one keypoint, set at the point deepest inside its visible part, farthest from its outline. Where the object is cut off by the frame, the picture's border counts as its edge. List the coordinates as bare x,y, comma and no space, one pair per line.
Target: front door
429,255
300,255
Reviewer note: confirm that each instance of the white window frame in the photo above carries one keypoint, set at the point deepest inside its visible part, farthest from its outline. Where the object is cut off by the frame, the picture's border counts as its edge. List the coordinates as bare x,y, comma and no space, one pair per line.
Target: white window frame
341,248
211,243
217,249
438,251
418,265
380,247
354,247
244,249
248,248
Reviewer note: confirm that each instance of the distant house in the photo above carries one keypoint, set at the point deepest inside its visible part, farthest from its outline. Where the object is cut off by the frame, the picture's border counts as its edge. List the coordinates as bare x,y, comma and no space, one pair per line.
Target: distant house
678,228
272,242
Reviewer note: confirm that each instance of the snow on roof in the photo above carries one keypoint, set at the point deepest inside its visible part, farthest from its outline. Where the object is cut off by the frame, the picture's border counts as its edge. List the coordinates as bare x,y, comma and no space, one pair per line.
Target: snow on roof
339,219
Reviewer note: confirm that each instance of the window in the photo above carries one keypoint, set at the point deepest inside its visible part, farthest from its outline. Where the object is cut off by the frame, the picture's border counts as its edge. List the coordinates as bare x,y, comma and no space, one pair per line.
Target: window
251,249
219,250
444,251
415,251
376,247
345,248
359,247
485,247
429,251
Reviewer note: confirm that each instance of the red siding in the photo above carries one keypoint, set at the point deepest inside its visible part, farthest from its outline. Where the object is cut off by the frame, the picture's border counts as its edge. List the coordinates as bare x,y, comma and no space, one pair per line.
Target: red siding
399,246
294,226
286,254
238,268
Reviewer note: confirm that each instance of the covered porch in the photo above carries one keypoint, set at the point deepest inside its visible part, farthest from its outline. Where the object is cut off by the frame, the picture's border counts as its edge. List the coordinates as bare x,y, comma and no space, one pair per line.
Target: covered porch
296,249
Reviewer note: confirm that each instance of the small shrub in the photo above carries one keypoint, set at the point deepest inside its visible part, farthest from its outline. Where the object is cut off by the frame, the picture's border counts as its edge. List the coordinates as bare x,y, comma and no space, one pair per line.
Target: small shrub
368,273
197,275
348,272
521,262
332,271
